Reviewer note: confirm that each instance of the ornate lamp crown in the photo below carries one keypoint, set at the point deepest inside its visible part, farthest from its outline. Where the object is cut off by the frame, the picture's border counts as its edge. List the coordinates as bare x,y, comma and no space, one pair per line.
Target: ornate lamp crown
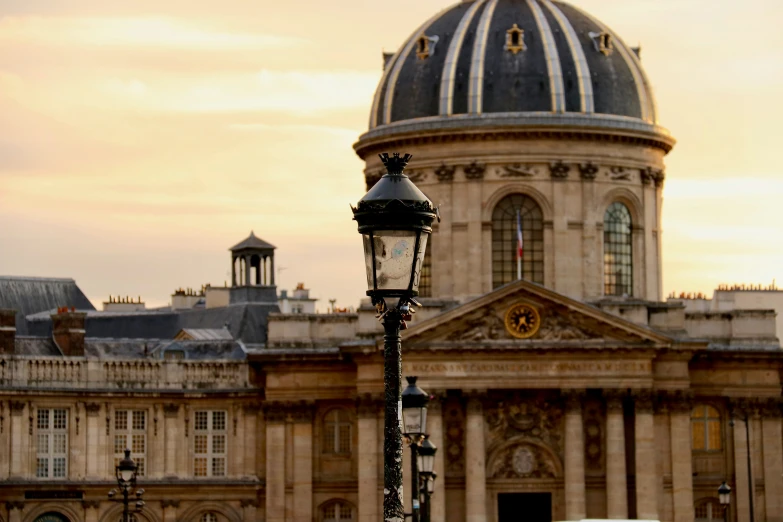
395,164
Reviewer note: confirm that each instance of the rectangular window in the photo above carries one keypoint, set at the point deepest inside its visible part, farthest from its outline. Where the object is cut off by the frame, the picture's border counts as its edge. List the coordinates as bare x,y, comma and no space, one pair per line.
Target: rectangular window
130,431
52,443
209,444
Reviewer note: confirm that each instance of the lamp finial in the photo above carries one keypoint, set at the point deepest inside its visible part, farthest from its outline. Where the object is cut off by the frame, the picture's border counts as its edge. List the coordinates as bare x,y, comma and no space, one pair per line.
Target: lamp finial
395,164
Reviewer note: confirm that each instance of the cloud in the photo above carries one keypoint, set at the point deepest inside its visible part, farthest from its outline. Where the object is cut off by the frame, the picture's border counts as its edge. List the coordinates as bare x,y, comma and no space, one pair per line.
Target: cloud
152,32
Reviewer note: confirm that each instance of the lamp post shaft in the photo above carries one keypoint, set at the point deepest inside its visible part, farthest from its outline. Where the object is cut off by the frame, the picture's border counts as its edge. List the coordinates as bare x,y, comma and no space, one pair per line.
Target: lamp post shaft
426,513
125,517
750,470
415,496
393,510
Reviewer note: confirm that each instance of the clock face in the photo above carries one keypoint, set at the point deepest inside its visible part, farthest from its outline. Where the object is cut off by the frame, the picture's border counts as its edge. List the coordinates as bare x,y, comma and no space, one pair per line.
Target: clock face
522,321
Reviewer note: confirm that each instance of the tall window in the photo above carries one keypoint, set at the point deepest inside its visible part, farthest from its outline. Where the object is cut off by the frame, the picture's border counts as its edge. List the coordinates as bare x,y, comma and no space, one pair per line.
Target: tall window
130,431
337,511
209,444
52,451
705,428
425,279
708,509
209,517
337,432
505,240
618,260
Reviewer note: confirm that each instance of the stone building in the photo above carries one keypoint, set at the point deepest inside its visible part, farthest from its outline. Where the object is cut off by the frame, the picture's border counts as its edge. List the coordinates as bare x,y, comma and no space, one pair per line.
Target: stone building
574,392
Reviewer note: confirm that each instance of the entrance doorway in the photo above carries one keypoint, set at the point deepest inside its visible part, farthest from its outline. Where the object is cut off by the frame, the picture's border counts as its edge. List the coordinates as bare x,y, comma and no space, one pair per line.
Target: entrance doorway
524,507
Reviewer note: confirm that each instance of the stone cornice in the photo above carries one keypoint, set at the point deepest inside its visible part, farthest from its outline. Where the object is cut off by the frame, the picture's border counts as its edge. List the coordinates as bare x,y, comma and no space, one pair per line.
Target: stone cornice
369,405
536,347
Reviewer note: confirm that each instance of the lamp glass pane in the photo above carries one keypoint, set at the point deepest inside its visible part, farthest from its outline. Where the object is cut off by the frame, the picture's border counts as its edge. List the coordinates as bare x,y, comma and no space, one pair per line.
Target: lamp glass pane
426,463
414,420
368,260
431,485
126,474
394,258
419,261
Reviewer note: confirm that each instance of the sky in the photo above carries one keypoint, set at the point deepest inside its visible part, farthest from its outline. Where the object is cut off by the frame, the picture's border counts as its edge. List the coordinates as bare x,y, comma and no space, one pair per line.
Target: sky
140,140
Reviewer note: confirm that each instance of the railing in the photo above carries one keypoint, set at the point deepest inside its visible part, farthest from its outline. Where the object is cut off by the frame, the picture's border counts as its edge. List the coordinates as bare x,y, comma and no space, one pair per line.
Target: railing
145,374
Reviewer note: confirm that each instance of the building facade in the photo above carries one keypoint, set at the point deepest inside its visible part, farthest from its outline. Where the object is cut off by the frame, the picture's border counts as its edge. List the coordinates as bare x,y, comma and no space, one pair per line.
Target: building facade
574,392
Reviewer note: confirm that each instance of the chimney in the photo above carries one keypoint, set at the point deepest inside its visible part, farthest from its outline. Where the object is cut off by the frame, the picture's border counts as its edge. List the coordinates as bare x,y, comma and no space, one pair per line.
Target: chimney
7,331
68,331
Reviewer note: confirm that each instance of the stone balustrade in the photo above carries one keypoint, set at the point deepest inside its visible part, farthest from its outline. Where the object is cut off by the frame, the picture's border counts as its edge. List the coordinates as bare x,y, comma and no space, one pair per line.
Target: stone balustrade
134,374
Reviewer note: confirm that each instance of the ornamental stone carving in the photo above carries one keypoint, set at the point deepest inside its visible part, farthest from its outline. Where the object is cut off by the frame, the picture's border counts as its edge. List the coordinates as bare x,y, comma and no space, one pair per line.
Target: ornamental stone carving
559,170
170,409
92,408
588,170
516,170
454,423
416,175
643,401
487,326
522,461
536,418
474,171
620,173
445,173
559,327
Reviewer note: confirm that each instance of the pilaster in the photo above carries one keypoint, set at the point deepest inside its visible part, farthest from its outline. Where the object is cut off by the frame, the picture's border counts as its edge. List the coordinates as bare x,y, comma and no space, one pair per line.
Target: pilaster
302,416
475,463
14,509
435,429
647,480
169,510
93,431
90,510
772,446
19,439
616,484
275,416
367,408
679,406
574,456
171,421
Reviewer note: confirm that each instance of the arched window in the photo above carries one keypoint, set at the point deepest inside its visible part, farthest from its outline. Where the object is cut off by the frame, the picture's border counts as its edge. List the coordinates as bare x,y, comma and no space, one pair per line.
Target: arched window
336,511
705,428
337,432
618,259
513,209
209,517
708,509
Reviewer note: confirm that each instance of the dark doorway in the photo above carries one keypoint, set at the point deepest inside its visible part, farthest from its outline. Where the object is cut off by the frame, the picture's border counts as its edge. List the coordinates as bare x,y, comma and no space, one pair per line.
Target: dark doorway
525,507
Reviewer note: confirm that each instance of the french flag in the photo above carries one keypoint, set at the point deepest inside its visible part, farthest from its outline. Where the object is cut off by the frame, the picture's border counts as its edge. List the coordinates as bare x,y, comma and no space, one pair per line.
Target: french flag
520,241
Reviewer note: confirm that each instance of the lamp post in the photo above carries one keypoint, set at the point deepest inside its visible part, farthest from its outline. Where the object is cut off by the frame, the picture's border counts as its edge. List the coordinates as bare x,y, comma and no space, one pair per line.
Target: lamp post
724,495
395,219
127,471
414,421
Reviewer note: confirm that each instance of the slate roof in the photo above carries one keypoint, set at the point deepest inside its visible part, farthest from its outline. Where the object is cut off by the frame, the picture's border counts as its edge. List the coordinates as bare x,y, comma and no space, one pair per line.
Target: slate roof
203,334
100,348
31,295
252,242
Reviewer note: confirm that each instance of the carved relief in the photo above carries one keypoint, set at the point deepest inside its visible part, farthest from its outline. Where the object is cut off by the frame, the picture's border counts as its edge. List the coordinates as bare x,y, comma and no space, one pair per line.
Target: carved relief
538,418
445,173
92,408
475,170
454,422
487,326
676,401
620,173
588,170
522,461
558,327
643,401
559,170
170,410
594,423
17,407
516,170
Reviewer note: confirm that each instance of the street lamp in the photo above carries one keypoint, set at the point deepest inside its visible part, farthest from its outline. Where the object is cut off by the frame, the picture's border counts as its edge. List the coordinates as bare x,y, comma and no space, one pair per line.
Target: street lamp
426,465
126,472
724,495
395,219
414,422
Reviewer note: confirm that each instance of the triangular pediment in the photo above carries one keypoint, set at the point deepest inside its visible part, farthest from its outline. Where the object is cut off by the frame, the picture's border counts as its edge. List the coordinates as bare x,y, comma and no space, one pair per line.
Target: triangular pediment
501,315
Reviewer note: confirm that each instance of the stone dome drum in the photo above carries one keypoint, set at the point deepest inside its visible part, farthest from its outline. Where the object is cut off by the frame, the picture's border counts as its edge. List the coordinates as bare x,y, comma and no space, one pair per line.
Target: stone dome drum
512,62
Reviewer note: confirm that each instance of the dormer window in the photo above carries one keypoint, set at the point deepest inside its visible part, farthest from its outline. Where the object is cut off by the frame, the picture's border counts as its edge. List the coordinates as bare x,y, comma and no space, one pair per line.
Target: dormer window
603,42
425,46
515,40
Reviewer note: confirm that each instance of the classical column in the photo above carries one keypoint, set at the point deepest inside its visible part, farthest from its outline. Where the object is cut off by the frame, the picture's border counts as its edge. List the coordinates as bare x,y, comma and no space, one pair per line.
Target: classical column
247,270
773,460
14,511
574,457
680,407
740,489
303,463
616,486
275,464
368,408
646,467
435,429
171,417
475,465
251,425
233,270
238,450
92,428
90,510
18,437
77,443
169,510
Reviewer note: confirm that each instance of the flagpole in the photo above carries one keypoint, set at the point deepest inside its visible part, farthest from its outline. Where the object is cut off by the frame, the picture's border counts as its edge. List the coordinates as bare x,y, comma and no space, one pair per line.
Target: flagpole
519,246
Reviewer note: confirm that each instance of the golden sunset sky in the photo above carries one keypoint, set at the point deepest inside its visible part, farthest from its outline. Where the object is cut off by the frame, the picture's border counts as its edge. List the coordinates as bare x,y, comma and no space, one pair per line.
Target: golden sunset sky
140,139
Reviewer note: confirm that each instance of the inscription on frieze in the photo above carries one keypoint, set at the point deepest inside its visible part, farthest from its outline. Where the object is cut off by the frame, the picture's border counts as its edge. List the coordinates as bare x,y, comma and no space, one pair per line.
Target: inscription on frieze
515,368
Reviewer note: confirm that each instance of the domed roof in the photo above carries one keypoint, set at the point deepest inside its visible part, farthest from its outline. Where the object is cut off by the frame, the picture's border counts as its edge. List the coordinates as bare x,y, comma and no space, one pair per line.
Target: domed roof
540,59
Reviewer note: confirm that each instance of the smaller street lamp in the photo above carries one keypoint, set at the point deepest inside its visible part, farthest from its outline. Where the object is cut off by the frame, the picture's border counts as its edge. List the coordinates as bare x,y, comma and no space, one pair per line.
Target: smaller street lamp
724,495
126,473
414,425
426,465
